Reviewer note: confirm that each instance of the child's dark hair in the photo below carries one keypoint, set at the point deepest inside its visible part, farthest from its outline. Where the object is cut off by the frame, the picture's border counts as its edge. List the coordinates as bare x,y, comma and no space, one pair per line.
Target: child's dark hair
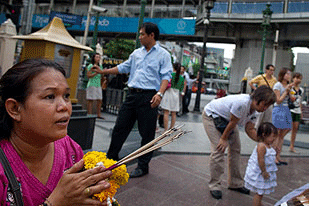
266,129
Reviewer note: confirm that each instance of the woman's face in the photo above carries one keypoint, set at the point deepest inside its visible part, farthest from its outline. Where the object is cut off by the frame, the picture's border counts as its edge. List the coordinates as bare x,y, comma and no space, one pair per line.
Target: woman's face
297,80
97,58
287,76
46,112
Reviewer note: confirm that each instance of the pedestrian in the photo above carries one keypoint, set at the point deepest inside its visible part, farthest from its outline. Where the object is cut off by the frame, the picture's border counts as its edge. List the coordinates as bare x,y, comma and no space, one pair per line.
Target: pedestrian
170,100
35,110
220,119
94,87
150,69
261,170
183,92
281,116
185,98
269,80
296,110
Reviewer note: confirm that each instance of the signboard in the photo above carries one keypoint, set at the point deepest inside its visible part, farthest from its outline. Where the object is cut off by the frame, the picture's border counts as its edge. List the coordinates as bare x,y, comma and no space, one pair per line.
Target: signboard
118,24
67,19
64,57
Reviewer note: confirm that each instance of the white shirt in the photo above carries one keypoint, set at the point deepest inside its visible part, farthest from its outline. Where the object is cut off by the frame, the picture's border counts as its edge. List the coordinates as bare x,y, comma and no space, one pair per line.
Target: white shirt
238,105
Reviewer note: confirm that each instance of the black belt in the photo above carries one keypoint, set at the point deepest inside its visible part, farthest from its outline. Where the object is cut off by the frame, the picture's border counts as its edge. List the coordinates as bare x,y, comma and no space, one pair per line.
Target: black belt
138,90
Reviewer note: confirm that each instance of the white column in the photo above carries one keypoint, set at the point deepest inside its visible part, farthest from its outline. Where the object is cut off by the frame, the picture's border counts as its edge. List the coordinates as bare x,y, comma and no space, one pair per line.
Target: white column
286,6
87,23
124,8
275,47
183,8
51,6
152,8
74,6
7,45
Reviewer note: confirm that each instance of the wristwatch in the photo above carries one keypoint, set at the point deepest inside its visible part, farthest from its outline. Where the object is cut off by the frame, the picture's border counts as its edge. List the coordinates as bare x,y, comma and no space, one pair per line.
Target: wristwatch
160,94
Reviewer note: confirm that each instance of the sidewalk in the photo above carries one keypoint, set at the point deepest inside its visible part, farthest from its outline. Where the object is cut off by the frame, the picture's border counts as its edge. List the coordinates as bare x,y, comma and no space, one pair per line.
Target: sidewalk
195,142
179,172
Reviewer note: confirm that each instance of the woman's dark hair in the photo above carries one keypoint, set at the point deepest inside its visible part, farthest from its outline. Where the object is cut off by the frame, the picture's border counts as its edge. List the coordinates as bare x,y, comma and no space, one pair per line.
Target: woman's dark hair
151,28
177,67
93,57
266,129
281,74
297,75
264,93
16,84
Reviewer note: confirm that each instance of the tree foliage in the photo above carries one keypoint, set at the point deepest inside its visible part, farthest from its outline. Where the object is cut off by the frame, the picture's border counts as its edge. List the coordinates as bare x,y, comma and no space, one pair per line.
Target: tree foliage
119,48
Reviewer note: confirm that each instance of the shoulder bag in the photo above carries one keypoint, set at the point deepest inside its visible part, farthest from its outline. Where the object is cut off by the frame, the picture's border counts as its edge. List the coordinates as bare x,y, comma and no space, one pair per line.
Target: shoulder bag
265,80
12,179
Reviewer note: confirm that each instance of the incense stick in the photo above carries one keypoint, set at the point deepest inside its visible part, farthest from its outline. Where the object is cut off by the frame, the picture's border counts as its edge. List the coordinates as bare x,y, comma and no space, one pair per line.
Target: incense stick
150,147
165,134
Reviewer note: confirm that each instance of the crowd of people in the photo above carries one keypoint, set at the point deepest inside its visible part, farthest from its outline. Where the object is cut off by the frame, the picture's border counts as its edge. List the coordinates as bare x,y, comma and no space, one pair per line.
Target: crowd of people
35,110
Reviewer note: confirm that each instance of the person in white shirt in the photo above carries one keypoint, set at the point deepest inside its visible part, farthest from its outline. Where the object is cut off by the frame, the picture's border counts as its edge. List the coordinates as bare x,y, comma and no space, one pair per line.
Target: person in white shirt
220,119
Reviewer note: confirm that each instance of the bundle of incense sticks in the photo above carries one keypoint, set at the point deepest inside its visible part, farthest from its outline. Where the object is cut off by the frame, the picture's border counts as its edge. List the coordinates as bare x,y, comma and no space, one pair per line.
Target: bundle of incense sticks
151,146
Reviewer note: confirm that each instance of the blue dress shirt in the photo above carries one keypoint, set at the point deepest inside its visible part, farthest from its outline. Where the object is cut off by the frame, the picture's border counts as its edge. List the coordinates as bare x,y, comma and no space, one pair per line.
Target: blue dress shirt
147,69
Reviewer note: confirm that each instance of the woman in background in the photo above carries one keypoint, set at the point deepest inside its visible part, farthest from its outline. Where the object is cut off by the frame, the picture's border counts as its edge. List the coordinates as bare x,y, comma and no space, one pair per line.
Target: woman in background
170,100
296,113
281,116
94,89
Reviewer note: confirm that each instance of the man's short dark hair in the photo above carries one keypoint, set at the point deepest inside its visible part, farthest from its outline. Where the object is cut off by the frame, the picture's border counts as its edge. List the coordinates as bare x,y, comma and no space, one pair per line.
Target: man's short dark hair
268,66
264,93
151,28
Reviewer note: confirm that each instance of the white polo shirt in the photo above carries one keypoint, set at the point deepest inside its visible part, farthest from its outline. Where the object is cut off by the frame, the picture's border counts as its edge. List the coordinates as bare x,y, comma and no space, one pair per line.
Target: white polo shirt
238,105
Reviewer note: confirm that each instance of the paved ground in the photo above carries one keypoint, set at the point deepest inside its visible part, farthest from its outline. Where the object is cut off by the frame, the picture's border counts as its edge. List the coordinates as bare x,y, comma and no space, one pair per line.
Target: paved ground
179,172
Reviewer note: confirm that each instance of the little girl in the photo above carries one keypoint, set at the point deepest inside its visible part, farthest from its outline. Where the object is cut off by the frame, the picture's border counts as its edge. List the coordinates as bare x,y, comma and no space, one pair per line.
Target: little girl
261,170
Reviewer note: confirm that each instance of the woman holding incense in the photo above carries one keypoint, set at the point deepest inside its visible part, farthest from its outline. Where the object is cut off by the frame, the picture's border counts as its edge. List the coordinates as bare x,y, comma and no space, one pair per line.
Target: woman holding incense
35,110
170,100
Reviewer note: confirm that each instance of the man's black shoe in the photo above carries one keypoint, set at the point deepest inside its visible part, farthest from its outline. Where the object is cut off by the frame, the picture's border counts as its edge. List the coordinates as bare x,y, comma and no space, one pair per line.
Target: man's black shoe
217,194
241,190
138,173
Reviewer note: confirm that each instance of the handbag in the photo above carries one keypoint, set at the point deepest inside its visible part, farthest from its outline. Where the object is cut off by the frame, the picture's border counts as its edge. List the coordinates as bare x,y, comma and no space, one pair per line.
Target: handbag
290,104
12,179
220,123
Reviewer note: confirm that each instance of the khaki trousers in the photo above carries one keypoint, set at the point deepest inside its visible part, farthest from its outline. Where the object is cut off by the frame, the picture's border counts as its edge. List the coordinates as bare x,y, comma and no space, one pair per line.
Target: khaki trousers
235,179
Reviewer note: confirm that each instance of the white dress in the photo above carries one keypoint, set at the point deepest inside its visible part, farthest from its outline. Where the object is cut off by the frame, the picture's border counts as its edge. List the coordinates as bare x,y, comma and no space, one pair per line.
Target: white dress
170,100
254,180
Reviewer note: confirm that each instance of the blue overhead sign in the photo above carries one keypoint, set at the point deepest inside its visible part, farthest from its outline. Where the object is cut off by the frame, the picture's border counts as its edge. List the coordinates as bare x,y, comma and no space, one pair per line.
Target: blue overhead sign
117,24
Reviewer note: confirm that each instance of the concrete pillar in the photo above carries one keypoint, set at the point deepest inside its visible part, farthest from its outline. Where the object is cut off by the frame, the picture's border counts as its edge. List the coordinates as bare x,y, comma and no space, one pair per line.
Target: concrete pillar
248,54
7,45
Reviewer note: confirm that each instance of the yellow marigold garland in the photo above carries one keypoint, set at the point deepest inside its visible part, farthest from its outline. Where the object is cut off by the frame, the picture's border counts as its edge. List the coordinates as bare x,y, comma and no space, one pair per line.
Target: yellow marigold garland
119,177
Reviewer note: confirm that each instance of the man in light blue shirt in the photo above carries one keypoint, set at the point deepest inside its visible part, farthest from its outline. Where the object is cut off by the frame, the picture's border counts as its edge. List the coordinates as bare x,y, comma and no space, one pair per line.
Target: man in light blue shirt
150,69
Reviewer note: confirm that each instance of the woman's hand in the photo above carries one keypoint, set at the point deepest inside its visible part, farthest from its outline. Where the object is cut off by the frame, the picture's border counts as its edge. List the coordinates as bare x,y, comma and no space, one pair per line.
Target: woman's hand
96,69
222,145
76,187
